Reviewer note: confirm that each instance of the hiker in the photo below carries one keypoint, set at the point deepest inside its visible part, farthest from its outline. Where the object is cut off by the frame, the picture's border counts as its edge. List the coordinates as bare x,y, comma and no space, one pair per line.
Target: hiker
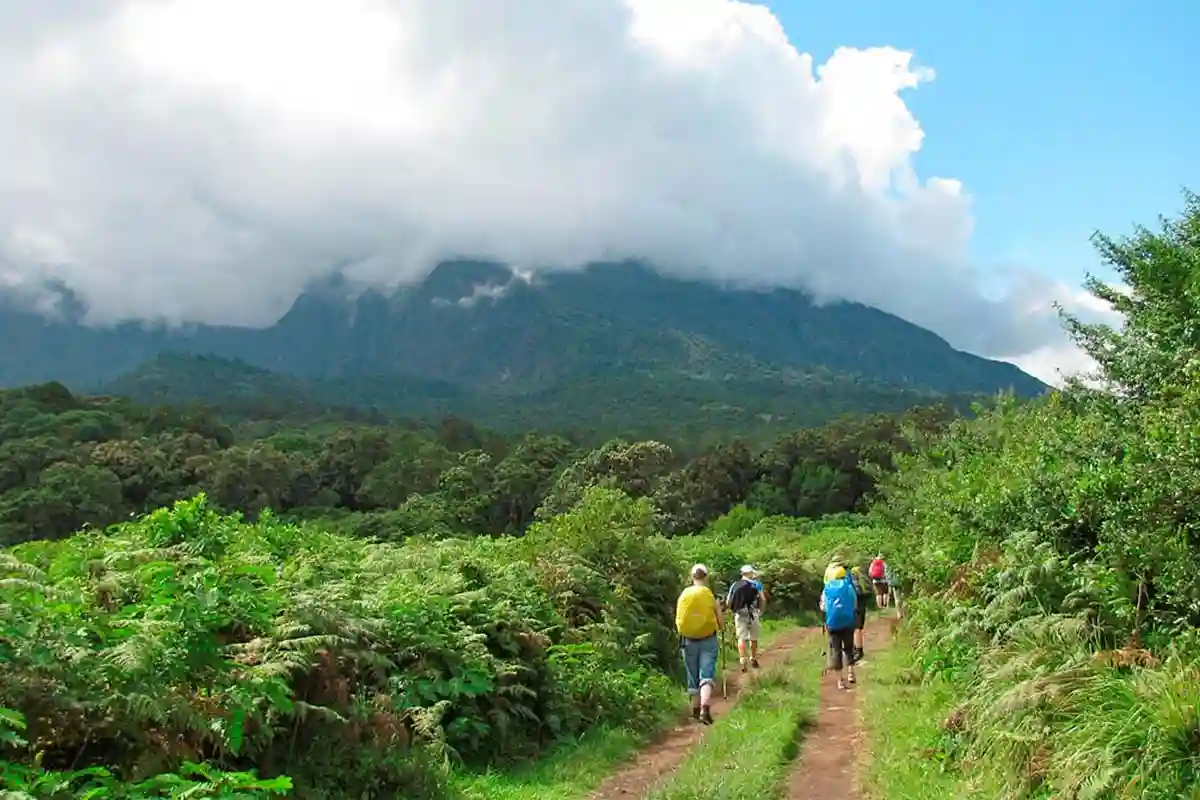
838,601
861,595
747,602
878,573
697,619
893,582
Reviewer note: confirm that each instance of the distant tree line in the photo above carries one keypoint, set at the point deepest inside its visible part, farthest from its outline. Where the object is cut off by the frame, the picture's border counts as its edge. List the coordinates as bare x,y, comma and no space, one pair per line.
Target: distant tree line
68,461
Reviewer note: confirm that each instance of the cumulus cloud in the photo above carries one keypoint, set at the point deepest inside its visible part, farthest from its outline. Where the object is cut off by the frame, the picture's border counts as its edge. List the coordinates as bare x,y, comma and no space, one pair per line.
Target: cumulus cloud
204,160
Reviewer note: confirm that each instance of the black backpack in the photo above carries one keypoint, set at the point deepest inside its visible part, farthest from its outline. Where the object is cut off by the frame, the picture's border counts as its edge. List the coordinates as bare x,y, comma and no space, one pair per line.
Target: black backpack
743,596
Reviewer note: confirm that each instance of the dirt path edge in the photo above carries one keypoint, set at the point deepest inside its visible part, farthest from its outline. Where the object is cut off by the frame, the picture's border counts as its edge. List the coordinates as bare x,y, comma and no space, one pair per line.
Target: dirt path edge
663,756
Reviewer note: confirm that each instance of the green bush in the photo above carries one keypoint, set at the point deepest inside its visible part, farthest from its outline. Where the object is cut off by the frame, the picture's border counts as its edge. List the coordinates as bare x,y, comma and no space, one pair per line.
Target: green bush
1055,544
355,668
790,554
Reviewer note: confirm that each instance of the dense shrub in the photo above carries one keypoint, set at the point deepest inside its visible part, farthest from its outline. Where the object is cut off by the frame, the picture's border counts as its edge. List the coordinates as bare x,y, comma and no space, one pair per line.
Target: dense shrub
1056,546
789,553
355,668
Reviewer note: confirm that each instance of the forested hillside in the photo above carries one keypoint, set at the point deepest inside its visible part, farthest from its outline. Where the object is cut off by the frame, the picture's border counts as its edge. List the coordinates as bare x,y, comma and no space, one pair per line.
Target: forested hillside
68,461
662,404
482,328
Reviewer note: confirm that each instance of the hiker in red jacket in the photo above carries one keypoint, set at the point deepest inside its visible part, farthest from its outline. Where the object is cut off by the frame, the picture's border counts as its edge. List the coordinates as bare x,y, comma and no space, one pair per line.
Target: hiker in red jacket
878,573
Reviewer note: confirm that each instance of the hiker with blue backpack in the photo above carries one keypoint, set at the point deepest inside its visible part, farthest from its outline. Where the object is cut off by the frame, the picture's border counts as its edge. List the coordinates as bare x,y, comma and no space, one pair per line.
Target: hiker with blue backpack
839,601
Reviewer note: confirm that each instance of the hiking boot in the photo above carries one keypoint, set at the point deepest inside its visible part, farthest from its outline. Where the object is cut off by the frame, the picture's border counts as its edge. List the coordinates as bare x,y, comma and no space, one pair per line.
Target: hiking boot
743,663
841,684
754,663
706,716
696,713
850,679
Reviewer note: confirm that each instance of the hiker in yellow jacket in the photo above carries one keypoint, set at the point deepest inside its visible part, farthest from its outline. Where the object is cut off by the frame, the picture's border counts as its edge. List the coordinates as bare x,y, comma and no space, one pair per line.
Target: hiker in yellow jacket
698,618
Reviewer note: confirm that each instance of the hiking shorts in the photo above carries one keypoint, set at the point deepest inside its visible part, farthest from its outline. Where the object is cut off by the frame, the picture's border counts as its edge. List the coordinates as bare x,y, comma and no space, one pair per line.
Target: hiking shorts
841,643
700,662
748,626
860,615
881,585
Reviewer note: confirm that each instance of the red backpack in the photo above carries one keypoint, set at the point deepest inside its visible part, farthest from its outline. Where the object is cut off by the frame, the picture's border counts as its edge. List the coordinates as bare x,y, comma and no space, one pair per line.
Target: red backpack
876,571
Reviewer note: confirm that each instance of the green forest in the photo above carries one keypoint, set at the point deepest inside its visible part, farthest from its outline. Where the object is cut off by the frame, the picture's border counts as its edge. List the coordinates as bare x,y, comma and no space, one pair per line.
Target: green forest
196,604
67,462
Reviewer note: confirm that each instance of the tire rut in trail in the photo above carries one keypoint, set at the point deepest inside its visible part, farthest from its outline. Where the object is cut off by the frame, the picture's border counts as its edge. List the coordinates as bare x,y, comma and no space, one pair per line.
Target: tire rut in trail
829,755
663,756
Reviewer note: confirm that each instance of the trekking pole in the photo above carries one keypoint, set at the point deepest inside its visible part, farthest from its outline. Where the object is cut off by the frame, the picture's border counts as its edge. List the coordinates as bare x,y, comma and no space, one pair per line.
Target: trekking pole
724,661
824,651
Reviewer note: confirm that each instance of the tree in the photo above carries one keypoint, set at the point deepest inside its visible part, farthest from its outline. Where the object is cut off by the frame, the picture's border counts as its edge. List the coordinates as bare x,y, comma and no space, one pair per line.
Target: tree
1157,353
635,469
67,497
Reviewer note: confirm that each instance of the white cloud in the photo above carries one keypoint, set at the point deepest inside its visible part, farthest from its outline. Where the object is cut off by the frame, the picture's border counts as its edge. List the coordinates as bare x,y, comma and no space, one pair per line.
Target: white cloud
205,159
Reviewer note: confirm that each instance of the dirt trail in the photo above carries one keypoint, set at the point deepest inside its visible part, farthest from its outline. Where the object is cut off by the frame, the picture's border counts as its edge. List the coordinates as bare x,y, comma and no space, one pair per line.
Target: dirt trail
828,767
666,754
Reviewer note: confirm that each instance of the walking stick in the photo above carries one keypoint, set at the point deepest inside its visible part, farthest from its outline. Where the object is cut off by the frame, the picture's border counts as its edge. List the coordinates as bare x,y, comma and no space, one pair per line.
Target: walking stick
825,652
724,661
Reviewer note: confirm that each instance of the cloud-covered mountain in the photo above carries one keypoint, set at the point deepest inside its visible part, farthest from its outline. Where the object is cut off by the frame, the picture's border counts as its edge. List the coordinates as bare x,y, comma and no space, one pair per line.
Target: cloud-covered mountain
482,327
160,180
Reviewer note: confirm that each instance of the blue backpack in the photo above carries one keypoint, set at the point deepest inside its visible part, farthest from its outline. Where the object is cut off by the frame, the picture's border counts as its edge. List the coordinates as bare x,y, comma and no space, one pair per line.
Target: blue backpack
839,604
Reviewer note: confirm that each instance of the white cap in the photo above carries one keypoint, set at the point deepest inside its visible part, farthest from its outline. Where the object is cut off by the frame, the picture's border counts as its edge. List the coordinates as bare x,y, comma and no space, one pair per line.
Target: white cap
749,569
699,571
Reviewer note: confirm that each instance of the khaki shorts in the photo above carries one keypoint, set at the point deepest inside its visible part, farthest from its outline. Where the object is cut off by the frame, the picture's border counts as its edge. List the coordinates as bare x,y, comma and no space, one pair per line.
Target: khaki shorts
748,627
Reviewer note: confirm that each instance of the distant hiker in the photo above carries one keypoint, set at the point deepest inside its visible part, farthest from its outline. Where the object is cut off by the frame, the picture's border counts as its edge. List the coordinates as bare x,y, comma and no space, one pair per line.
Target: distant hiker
861,595
893,582
838,601
697,618
747,602
878,574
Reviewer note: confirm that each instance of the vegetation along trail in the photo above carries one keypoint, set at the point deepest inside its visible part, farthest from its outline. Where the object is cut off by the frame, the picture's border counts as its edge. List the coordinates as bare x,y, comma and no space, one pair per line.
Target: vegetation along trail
828,766
664,756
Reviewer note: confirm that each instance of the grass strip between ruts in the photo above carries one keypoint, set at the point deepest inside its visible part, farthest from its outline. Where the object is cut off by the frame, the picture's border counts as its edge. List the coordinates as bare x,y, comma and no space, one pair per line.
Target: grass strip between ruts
575,769
749,751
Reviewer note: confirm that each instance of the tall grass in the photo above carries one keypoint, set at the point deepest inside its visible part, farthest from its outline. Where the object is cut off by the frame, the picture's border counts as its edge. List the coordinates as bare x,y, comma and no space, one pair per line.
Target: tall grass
1043,704
911,755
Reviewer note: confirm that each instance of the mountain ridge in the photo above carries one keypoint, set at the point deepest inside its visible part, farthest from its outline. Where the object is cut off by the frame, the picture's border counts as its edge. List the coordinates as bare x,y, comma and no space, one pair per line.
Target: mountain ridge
483,326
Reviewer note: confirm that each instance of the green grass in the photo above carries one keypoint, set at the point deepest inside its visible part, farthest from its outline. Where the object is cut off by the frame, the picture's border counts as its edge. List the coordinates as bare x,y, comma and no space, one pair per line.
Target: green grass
571,771
910,754
749,751
1041,719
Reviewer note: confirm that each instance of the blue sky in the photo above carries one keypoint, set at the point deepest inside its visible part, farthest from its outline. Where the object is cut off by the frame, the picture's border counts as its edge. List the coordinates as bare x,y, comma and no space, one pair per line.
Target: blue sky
1060,118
